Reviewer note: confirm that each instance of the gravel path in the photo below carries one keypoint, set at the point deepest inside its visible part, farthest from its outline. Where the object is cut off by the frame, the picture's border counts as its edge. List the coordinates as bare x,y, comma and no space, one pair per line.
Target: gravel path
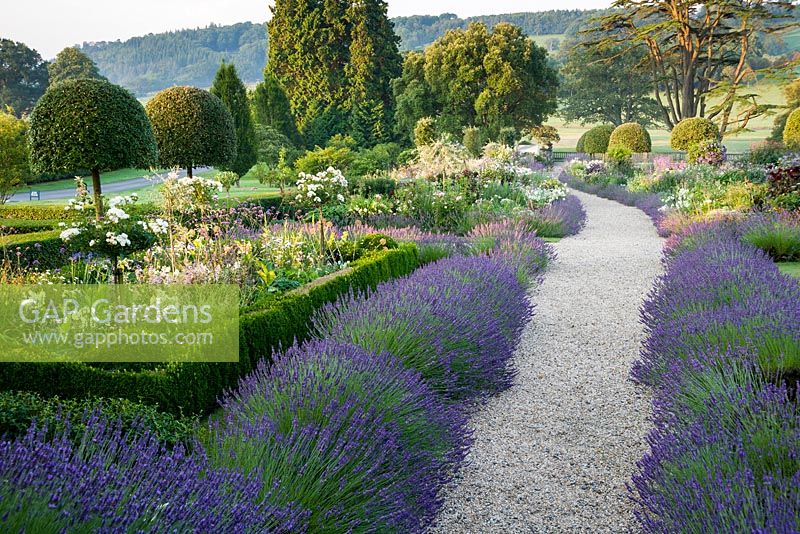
554,452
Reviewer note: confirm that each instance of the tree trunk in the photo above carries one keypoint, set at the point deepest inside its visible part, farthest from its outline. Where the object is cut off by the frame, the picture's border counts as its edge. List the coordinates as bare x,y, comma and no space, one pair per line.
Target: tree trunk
189,171
98,194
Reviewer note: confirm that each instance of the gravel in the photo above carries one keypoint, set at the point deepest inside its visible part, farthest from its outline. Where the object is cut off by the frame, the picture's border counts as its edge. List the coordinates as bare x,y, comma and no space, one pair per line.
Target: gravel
554,452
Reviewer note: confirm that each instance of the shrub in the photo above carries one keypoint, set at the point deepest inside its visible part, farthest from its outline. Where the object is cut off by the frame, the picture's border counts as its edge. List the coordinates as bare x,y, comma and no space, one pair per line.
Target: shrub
117,480
707,152
693,131
425,131
596,141
193,388
19,410
791,134
778,236
351,436
319,159
784,182
461,340
632,136
193,128
766,153
507,136
89,124
14,168
473,140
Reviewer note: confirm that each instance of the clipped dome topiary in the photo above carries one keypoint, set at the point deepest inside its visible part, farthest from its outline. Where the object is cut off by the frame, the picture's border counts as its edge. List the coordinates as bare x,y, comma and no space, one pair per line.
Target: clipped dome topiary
193,128
580,147
631,136
89,124
597,139
693,131
791,133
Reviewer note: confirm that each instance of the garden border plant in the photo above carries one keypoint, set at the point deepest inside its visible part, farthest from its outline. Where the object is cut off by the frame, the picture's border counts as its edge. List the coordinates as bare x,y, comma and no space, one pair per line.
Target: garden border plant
193,388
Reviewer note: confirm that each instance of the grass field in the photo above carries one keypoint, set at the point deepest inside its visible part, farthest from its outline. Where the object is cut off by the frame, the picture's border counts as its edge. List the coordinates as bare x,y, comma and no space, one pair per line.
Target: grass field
790,268
107,178
761,127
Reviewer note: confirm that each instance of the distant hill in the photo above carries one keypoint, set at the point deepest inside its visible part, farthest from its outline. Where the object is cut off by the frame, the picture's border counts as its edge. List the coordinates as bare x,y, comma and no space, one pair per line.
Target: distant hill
187,57
191,57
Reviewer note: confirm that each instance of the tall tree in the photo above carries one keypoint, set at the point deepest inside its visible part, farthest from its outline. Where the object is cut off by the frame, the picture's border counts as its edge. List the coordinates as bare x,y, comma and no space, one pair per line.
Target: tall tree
492,80
23,77
71,64
335,60
607,85
271,107
229,88
374,62
698,52
413,96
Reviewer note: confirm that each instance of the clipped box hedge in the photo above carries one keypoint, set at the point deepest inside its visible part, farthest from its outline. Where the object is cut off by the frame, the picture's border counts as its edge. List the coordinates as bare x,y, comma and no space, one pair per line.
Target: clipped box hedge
44,249
193,388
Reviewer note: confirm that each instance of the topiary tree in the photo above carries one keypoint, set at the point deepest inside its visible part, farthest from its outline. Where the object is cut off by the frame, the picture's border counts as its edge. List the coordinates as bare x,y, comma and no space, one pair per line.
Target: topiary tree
693,131
580,147
632,136
596,141
791,133
229,88
192,127
90,124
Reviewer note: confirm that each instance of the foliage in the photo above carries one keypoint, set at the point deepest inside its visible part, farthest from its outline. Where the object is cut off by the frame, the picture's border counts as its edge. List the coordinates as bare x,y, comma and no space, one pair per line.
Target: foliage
631,136
791,134
231,91
707,152
19,409
458,343
545,135
355,54
597,139
424,131
71,64
90,124
412,95
385,440
270,143
14,169
153,62
270,108
193,388
698,64
580,146
491,79
766,153
325,187
117,478
192,127
319,159
693,131
23,77
784,182
606,84
791,93
473,140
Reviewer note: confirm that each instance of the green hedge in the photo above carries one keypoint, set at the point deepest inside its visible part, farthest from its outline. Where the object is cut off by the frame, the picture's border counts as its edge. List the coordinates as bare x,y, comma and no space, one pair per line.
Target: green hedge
22,226
45,212
43,249
193,388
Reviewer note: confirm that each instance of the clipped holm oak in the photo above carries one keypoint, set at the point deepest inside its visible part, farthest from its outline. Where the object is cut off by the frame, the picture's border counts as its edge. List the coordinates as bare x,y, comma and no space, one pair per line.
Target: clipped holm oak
632,136
693,131
596,139
193,128
89,124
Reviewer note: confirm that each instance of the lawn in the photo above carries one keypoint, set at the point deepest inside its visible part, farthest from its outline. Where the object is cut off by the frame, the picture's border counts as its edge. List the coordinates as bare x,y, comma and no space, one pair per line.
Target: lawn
107,178
791,268
761,127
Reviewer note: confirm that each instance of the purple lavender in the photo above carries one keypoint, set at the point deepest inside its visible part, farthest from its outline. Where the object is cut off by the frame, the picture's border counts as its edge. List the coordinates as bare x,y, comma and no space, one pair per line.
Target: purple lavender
113,480
353,437
455,321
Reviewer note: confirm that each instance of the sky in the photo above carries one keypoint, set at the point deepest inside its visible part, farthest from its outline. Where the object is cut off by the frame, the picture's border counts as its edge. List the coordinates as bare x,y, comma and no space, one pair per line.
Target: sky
50,25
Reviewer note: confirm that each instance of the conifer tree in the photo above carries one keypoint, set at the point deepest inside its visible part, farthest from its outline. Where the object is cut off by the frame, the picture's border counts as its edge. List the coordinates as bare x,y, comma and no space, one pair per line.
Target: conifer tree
270,107
229,88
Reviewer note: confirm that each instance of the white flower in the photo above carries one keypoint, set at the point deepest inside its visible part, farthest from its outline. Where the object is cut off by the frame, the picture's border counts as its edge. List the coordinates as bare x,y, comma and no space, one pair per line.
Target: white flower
92,243
69,233
115,214
340,197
